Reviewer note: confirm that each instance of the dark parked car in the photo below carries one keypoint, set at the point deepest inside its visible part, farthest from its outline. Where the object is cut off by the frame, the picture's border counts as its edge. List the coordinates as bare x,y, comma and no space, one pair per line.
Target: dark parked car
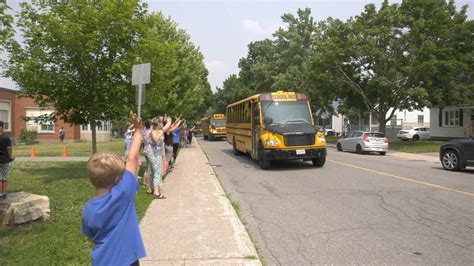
457,154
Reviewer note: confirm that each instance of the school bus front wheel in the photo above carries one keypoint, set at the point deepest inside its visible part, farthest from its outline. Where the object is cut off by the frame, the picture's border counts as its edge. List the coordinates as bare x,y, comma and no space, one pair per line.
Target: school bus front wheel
319,162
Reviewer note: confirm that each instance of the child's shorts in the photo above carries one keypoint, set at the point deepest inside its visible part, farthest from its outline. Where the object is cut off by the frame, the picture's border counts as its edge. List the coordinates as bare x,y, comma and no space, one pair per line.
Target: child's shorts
4,171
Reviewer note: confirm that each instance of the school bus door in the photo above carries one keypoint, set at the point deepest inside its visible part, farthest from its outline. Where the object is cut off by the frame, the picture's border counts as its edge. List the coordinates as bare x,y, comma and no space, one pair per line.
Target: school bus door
255,129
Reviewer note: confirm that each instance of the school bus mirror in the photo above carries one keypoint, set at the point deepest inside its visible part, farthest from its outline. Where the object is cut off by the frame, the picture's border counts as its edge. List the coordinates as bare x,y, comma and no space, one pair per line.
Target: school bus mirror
267,121
256,111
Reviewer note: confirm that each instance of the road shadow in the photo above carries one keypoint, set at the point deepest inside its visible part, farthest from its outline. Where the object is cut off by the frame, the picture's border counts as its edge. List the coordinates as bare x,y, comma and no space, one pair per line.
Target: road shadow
276,165
200,138
467,171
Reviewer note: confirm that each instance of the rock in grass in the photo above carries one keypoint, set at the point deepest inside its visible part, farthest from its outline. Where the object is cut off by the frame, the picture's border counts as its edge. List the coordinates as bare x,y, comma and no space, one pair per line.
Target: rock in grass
23,207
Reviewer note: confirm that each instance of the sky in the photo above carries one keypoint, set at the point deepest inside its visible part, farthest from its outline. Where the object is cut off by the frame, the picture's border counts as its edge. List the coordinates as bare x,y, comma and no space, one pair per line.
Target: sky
223,29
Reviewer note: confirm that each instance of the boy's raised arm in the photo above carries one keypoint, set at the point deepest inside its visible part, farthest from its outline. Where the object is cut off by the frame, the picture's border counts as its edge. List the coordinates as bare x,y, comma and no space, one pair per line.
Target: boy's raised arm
136,144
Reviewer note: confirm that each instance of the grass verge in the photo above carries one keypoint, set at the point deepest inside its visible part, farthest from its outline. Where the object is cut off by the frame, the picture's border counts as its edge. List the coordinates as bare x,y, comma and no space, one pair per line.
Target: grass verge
58,241
421,146
332,139
73,148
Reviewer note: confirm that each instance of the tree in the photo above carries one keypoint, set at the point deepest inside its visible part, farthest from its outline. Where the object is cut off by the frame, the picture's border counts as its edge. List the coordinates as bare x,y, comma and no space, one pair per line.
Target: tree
257,69
77,58
365,62
179,77
6,25
285,62
232,91
295,45
441,49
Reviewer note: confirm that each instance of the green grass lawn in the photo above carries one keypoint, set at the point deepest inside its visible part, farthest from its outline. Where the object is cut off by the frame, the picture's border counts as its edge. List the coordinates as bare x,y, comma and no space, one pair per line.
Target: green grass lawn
421,146
332,139
73,148
58,241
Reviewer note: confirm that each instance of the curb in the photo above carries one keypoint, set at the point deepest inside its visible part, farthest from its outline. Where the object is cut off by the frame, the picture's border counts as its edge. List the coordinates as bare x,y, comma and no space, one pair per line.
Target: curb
229,200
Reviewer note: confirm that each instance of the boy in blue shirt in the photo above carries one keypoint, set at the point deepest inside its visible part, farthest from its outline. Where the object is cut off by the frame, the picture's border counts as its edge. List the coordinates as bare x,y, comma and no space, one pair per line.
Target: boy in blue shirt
110,218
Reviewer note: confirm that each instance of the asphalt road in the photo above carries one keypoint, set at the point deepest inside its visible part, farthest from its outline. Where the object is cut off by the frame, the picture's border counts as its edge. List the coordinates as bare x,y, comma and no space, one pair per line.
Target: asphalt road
357,209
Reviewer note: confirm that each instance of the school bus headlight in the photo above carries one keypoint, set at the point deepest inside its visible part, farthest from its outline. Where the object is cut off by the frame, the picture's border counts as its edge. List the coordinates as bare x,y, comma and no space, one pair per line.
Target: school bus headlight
272,142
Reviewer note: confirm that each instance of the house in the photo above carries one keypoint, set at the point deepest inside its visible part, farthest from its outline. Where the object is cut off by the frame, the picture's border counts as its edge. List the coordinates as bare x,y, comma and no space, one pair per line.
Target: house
20,112
452,121
401,119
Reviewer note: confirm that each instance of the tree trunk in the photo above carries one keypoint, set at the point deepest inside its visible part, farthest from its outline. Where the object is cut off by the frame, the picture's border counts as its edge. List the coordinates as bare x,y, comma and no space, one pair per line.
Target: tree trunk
382,126
383,120
94,137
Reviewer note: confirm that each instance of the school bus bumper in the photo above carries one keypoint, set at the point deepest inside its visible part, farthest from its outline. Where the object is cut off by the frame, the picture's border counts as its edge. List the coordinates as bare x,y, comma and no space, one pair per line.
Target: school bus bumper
279,154
218,135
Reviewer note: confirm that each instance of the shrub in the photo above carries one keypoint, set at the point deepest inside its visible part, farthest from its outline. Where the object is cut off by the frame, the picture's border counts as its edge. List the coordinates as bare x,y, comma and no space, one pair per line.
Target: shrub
27,136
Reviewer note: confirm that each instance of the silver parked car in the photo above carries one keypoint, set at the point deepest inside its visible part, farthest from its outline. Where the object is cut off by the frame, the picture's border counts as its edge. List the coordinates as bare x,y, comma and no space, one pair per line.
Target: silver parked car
361,141
417,133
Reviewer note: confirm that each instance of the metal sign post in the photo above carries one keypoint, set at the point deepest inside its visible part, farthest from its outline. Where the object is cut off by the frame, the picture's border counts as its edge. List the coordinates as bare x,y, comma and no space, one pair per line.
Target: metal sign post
140,77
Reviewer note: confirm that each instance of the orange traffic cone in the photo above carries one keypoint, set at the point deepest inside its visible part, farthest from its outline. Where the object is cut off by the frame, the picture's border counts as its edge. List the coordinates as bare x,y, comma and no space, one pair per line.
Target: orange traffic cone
33,152
64,152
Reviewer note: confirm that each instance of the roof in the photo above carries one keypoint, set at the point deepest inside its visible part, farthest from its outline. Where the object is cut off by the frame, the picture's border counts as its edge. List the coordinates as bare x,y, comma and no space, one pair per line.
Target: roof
9,90
253,97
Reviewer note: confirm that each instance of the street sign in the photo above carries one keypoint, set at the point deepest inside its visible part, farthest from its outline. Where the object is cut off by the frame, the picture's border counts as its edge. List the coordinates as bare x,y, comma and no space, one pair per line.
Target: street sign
140,77
141,74
139,94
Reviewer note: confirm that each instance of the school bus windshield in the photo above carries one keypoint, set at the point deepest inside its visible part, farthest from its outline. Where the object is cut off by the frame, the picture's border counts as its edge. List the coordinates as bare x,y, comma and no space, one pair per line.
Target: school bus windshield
218,122
286,112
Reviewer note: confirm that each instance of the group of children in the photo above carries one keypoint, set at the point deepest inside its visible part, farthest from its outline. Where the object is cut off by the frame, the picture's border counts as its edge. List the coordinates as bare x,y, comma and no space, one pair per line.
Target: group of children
110,219
161,147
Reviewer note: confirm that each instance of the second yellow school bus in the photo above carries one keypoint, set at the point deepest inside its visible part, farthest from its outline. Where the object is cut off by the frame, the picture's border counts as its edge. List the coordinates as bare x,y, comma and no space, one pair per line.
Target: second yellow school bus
213,127
275,126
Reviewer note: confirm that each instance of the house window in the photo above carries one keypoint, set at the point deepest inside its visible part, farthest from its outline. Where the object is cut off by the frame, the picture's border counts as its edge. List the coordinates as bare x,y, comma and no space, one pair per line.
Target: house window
420,119
393,120
5,111
47,127
36,120
451,118
101,126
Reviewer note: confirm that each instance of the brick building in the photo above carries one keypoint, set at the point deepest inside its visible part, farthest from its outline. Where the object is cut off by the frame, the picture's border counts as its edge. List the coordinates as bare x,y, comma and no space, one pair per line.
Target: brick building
14,109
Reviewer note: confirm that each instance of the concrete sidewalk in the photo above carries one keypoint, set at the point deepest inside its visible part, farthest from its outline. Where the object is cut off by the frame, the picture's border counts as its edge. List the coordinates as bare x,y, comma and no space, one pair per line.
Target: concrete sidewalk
428,157
196,224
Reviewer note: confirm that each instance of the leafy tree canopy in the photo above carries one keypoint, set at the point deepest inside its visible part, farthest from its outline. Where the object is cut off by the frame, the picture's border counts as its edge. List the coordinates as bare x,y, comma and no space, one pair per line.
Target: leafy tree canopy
6,24
232,91
399,56
179,84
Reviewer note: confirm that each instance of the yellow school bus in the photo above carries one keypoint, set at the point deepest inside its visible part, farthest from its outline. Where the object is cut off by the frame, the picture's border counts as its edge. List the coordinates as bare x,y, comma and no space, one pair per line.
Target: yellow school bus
213,127
197,127
275,126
